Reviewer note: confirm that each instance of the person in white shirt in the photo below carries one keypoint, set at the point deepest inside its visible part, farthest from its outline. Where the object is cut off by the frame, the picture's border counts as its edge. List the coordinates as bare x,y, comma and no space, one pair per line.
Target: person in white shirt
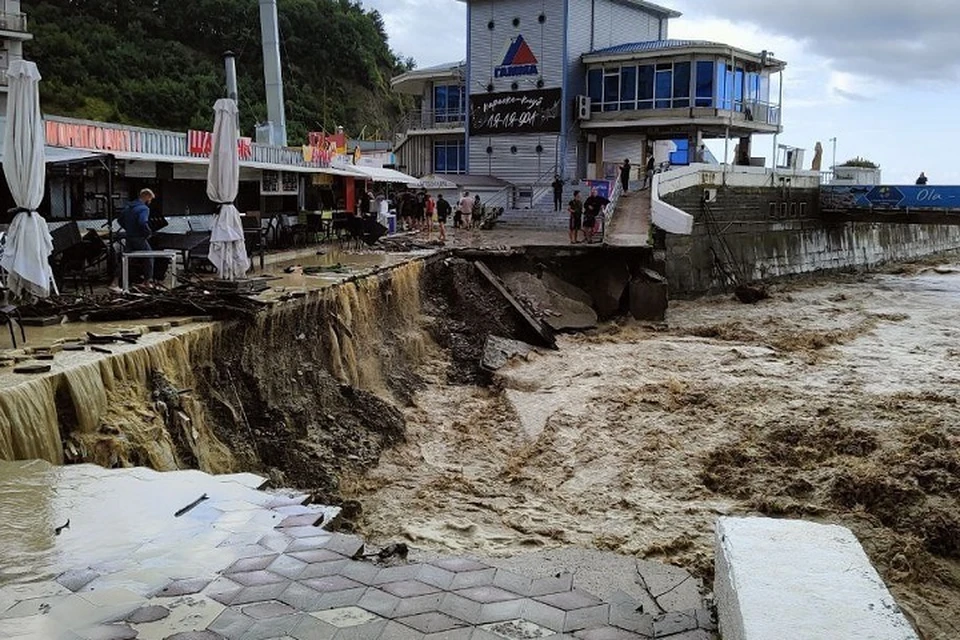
466,209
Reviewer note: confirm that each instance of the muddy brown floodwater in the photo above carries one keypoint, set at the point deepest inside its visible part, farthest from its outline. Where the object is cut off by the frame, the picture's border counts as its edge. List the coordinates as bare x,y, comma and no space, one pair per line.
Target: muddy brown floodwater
836,401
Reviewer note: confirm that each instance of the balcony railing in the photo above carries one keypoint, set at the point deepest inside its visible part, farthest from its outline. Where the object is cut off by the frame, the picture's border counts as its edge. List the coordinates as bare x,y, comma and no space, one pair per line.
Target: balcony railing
429,119
163,145
742,111
13,22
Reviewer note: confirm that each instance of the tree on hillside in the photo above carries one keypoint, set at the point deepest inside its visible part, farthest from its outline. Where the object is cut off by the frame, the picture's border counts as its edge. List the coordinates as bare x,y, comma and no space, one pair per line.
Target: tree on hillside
158,63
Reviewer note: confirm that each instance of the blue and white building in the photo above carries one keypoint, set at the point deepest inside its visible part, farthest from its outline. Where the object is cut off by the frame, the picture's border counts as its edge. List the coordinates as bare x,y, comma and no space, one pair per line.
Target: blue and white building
576,86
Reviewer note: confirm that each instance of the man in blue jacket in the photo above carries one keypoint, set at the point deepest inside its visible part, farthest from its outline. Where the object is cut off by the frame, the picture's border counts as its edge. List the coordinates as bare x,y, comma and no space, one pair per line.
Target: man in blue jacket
134,219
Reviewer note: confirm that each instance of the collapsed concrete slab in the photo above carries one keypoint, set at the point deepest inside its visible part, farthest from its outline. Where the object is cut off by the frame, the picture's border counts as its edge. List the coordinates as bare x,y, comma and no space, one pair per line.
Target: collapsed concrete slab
796,580
563,306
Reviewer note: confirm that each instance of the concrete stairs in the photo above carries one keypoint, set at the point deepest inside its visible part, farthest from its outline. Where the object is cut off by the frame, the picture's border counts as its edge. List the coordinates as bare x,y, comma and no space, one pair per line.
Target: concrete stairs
630,225
542,216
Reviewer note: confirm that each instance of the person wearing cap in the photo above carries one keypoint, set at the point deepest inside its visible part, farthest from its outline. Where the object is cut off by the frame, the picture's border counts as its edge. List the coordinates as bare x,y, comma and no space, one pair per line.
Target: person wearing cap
134,219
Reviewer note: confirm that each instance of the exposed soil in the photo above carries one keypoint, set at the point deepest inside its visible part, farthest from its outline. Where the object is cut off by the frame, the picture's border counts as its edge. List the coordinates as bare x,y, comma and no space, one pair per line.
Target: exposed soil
834,401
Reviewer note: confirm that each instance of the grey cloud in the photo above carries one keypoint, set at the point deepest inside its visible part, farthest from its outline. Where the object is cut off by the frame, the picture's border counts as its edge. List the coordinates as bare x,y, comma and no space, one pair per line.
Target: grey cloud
890,40
850,95
429,31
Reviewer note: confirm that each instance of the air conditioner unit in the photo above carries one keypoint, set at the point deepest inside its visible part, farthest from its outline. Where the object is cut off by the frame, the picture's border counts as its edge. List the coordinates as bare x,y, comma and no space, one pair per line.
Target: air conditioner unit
583,107
709,195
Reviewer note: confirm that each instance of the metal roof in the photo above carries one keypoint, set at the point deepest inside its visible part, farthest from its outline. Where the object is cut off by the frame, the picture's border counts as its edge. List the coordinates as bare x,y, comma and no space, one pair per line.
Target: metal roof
657,46
653,45
413,81
643,4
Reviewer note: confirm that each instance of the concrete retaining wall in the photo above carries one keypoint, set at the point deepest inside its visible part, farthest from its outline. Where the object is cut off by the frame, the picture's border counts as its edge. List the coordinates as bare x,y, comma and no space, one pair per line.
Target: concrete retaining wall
775,232
795,580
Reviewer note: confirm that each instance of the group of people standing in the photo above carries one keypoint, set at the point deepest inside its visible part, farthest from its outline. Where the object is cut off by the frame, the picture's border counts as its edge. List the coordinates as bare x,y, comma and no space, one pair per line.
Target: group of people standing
585,215
418,211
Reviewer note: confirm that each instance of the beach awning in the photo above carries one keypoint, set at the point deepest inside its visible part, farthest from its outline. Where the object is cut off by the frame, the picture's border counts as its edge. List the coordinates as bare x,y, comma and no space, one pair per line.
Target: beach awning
380,174
59,155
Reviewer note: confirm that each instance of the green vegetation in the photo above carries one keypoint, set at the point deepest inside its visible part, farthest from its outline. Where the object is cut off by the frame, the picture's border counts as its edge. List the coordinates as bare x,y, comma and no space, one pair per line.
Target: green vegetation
158,63
862,163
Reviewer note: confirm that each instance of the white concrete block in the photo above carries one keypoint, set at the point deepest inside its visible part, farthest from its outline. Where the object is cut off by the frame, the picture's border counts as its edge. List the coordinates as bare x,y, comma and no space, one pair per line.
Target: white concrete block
796,580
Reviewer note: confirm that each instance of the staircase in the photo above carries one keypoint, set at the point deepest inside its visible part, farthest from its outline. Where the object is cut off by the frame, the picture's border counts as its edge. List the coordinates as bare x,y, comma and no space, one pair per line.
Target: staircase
542,216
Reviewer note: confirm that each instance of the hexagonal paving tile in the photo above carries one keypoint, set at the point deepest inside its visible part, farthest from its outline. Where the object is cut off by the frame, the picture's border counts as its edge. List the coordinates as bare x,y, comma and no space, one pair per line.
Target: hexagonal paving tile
609,633
432,622
179,588
257,578
264,610
409,588
77,579
570,600
342,544
317,555
517,629
331,583
379,602
256,563
150,613
302,597
346,617
459,565
323,569
260,593
307,544
486,594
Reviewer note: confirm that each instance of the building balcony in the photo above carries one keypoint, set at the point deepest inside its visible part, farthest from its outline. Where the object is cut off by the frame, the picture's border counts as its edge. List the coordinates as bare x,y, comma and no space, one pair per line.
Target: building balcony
742,117
432,121
14,26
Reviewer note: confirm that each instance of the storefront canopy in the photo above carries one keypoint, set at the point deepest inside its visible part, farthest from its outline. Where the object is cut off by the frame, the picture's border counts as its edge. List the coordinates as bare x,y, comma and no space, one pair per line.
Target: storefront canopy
380,174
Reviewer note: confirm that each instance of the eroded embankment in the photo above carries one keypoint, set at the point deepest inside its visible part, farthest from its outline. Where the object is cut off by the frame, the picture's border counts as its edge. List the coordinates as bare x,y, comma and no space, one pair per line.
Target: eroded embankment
305,390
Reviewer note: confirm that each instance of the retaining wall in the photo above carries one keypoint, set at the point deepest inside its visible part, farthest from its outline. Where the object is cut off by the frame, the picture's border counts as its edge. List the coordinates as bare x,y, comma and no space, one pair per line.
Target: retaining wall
775,232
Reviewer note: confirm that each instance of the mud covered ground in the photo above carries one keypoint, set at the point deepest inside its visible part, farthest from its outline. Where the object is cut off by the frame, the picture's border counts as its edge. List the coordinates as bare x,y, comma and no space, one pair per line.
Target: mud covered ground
835,401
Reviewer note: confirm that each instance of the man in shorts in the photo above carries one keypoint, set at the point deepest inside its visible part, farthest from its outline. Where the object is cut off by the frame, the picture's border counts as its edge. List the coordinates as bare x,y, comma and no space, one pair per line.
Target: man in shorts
575,209
443,212
466,209
592,209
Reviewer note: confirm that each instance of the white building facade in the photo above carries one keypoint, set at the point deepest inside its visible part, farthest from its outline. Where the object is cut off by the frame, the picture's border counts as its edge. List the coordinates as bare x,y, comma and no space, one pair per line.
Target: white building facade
576,86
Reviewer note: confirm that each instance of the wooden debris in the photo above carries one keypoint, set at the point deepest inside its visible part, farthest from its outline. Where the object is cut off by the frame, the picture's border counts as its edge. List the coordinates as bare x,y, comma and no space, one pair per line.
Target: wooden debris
542,330
42,321
32,368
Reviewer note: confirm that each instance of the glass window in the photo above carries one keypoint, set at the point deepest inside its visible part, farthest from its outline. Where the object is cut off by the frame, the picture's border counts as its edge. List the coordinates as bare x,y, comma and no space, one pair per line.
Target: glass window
439,157
645,83
682,154
448,103
449,156
664,86
628,88
611,90
681,85
726,95
595,88
704,97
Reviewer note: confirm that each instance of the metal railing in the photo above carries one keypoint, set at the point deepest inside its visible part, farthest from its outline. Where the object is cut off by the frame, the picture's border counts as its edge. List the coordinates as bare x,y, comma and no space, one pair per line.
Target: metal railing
96,136
611,208
13,22
541,186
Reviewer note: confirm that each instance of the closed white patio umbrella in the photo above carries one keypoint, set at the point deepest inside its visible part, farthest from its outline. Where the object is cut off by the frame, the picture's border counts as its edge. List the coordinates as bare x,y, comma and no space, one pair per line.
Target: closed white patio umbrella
228,251
26,256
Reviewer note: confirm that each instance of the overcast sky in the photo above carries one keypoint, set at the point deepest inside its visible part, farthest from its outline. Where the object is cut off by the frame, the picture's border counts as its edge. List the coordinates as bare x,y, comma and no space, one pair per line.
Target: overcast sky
879,75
